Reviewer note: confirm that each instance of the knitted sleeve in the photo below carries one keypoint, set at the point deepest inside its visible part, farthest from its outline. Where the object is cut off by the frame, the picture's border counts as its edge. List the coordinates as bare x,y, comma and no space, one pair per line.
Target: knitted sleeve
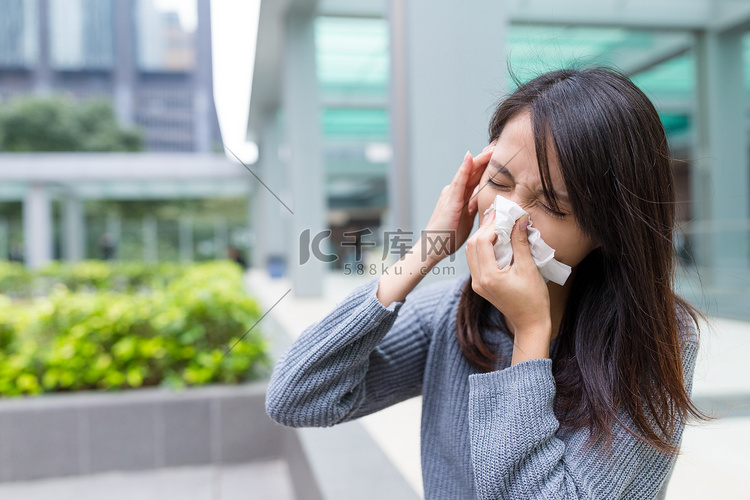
516,453
361,357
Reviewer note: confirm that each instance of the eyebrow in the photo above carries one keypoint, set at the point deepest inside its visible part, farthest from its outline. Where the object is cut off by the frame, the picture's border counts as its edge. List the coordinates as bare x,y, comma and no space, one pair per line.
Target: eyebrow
501,169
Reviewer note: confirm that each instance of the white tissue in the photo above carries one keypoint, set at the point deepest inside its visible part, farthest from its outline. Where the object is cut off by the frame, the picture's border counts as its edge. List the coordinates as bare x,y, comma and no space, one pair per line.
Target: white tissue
507,213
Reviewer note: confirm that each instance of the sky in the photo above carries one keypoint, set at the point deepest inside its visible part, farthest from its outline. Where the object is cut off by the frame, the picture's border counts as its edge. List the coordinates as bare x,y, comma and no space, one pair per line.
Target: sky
234,28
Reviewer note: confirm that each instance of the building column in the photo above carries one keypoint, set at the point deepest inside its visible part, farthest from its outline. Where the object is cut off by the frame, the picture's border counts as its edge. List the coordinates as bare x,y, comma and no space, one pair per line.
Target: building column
203,89
73,235
123,70
4,239
221,238
185,234
251,253
267,211
150,239
113,231
720,181
43,70
37,226
444,88
306,173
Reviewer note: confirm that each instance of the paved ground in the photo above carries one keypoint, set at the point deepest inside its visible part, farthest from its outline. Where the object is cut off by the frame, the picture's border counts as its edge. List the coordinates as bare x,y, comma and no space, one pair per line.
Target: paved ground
260,481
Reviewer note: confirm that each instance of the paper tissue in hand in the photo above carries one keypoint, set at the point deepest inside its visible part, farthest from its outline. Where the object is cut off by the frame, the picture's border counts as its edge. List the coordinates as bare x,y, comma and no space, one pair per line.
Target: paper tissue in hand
506,214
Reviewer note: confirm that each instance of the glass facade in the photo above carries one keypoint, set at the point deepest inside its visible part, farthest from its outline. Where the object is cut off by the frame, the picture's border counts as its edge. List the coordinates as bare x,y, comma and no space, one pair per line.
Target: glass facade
352,57
353,77
81,34
165,40
19,33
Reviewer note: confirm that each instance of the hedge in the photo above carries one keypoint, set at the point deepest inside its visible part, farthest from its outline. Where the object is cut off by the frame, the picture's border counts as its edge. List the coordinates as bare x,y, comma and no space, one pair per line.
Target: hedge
182,327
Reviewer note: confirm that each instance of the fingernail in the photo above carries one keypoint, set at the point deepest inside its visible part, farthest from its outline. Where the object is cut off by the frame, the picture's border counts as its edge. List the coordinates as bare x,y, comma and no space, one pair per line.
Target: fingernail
524,223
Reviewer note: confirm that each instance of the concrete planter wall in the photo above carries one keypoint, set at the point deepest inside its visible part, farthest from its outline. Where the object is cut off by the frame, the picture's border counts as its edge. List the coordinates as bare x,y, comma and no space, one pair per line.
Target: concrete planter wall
84,433
87,433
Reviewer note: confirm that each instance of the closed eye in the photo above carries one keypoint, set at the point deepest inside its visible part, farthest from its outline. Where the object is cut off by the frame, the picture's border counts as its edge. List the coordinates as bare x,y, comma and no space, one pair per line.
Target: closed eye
501,186
553,213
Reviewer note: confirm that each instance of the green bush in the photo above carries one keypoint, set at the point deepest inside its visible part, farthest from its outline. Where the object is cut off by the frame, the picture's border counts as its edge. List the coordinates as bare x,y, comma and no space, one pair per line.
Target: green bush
58,123
15,279
176,333
89,275
7,323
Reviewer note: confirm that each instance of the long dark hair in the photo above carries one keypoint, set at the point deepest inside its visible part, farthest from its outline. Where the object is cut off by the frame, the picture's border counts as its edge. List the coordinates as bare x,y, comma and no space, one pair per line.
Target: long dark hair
619,344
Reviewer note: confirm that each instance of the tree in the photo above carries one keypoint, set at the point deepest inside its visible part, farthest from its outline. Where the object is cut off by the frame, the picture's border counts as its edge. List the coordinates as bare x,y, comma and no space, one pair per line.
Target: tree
59,124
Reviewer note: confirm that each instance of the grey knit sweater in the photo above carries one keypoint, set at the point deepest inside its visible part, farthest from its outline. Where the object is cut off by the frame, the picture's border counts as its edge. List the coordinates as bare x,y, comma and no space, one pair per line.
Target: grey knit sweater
484,435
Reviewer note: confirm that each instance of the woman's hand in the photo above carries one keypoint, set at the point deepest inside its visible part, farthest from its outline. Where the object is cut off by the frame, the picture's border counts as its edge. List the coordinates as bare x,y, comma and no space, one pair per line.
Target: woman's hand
453,217
518,291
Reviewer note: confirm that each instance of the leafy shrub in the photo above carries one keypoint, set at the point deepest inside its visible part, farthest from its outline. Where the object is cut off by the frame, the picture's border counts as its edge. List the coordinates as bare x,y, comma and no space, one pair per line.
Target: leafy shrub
176,334
15,278
118,275
58,123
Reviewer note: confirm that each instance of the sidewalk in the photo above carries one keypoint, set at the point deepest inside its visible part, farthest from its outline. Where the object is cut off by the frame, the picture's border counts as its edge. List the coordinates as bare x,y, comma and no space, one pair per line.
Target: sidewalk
259,481
714,458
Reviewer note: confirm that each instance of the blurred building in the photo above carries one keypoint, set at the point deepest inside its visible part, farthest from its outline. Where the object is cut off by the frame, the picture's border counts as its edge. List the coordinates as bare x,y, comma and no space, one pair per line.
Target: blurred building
152,60
363,111
147,60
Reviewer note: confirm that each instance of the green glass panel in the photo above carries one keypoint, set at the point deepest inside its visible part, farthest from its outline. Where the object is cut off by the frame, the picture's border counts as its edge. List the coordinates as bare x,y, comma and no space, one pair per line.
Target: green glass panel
670,78
369,124
675,122
353,62
535,49
352,55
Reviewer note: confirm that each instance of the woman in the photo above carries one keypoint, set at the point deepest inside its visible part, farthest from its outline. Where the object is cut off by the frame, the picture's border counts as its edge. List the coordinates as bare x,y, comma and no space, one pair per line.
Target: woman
530,389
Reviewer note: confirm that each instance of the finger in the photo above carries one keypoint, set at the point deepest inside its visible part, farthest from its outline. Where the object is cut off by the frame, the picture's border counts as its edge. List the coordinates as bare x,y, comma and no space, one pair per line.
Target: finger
472,186
480,165
485,244
466,165
462,177
473,205
471,259
519,241
472,255
487,150
483,158
488,219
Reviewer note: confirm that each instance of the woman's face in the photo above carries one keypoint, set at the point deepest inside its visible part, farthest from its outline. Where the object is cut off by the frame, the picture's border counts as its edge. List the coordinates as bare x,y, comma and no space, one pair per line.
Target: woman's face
513,172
